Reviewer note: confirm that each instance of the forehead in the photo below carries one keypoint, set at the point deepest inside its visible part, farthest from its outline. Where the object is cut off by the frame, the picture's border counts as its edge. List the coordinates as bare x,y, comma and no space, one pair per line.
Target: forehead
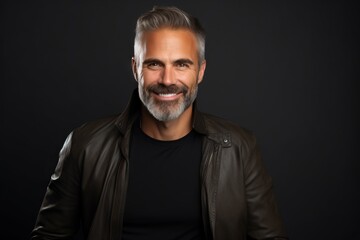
170,41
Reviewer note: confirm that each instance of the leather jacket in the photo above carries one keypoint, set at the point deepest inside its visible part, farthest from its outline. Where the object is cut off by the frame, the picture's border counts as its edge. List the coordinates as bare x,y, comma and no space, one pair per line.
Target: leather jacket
89,183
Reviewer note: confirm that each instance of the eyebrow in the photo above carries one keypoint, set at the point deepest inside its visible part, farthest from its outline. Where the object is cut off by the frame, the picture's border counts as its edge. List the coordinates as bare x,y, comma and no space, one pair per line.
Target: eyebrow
184,60
181,60
152,60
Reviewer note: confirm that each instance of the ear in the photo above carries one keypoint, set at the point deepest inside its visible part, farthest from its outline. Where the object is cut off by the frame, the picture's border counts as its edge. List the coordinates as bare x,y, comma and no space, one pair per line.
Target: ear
201,71
134,68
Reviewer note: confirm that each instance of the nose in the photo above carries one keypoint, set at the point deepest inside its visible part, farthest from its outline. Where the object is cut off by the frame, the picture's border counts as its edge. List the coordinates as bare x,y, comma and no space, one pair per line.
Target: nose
168,76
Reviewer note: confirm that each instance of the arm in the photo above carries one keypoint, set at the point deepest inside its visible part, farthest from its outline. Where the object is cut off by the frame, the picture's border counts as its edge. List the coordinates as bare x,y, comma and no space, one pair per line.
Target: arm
264,221
58,217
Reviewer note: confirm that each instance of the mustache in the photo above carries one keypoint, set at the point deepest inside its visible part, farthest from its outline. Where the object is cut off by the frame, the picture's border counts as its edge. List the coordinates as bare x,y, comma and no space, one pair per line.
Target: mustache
163,89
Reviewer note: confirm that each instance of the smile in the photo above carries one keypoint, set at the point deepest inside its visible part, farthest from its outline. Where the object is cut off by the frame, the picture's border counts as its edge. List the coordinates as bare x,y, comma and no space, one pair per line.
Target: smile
167,96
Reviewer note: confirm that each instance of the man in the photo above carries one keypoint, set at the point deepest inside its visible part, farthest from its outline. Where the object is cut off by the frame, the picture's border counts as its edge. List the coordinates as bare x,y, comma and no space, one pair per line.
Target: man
161,169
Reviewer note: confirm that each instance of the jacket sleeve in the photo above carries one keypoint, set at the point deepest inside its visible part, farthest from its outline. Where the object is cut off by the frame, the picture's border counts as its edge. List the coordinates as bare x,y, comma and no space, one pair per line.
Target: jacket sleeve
58,217
264,221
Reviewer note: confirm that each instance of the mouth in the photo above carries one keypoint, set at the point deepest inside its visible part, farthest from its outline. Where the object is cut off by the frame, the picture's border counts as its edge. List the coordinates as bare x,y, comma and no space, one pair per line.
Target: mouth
167,96
167,93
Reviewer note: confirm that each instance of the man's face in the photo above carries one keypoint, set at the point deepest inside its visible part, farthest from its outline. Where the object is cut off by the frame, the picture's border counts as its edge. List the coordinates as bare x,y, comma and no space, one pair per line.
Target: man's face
170,72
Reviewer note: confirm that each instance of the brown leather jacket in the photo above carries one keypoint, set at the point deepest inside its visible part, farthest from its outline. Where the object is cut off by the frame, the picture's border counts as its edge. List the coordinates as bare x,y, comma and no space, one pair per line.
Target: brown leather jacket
89,184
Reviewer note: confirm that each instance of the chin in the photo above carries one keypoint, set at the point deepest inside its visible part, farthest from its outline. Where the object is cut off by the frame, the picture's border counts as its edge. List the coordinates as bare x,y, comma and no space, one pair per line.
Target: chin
166,115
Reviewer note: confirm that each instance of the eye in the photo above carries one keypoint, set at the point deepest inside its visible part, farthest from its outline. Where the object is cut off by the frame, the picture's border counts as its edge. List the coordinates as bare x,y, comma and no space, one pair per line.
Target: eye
182,65
153,65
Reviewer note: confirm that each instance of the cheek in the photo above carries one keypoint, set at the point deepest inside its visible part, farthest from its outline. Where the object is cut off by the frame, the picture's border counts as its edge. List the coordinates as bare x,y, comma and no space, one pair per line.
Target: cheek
150,77
188,78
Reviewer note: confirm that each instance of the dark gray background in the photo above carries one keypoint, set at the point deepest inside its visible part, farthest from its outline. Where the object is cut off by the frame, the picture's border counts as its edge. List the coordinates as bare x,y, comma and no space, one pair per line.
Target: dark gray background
287,70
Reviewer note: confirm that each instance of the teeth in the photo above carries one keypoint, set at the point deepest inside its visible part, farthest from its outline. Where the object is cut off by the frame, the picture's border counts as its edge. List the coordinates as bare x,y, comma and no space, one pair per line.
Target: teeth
167,94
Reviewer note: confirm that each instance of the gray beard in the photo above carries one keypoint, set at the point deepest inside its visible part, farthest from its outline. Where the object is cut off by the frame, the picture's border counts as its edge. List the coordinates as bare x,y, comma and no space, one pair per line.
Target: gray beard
167,110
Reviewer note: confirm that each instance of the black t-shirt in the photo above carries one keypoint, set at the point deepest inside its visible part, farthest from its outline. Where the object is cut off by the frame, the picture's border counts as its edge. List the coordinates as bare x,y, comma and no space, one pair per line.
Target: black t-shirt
163,195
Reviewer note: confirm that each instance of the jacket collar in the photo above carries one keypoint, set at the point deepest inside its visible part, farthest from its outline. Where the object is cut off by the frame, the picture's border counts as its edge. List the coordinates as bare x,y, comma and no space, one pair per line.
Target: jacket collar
132,111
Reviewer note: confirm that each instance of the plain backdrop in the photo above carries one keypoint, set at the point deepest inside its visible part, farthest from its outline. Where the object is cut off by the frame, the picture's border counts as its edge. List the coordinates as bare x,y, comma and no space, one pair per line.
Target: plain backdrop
287,70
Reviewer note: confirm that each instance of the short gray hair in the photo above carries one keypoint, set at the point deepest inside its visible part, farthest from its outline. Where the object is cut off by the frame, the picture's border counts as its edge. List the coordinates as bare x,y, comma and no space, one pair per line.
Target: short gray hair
171,17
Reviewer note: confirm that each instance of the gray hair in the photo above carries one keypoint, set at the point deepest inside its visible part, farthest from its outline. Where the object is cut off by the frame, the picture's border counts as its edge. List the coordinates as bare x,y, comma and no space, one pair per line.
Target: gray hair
172,17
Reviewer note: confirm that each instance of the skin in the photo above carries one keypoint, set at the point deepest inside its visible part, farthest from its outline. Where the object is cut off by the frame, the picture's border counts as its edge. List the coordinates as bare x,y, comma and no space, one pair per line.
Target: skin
170,59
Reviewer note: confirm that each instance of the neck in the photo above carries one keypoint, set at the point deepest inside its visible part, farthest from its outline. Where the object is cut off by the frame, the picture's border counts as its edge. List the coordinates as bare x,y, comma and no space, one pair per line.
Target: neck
167,130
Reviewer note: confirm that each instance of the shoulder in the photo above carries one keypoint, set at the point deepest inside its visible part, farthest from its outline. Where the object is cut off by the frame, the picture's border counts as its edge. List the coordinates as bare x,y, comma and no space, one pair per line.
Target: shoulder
222,127
95,131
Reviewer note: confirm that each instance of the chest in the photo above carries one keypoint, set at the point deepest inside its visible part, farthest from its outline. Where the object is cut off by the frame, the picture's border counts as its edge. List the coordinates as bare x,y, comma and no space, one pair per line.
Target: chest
164,184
